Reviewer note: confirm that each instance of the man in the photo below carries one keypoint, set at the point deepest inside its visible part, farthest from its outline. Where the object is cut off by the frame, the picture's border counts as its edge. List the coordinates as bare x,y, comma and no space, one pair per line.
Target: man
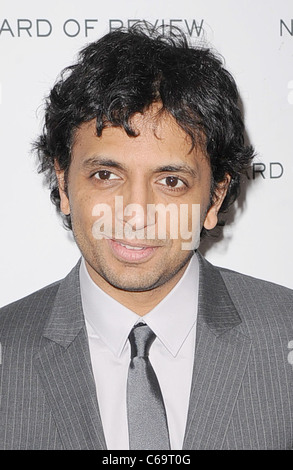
145,345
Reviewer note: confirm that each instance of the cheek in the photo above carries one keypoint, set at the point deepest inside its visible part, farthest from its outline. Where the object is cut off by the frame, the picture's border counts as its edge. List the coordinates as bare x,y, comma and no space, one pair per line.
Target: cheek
183,226
198,204
192,216
95,218
82,210
190,226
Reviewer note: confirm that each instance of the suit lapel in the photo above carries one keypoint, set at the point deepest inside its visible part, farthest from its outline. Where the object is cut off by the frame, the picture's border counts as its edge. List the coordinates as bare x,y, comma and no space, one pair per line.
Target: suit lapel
65,370
221,356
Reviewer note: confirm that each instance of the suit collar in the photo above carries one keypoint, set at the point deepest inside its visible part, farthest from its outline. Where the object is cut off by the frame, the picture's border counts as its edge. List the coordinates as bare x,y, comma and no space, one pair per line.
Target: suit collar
64,367
66,319
221,357
216,309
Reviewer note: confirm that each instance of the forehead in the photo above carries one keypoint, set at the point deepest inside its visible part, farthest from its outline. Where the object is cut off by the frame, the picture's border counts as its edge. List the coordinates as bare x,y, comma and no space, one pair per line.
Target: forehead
158,136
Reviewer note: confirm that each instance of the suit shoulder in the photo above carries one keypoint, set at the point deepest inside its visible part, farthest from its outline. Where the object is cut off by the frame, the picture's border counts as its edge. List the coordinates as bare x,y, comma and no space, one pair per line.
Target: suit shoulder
240,281
31,299
262,305
24,313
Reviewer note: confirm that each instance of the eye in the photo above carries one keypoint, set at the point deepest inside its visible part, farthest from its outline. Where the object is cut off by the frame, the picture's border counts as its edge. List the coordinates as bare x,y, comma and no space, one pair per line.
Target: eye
172,182
105,175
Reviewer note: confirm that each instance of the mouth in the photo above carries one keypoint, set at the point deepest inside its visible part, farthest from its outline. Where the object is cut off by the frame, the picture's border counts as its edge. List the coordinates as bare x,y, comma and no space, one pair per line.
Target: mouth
131,252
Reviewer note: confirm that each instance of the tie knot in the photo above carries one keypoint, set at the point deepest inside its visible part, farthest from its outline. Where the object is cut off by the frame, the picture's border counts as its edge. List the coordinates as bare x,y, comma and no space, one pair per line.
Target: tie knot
141,338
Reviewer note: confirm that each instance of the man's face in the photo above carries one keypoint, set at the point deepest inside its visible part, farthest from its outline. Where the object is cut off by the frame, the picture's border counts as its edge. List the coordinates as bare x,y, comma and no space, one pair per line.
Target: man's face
156,167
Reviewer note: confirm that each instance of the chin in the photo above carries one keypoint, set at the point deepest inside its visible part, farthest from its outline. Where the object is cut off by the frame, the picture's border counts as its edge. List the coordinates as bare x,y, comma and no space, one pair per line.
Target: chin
133,286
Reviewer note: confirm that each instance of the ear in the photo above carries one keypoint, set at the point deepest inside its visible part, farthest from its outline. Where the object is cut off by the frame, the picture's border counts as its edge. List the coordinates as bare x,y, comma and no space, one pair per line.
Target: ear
211,218
64,201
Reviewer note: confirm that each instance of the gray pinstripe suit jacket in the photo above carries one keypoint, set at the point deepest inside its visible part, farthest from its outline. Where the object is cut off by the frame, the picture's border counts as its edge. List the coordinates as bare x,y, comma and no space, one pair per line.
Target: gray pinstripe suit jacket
242,390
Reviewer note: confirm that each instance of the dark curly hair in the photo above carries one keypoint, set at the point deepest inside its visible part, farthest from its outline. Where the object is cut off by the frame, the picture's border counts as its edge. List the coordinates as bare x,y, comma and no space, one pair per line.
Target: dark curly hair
124,73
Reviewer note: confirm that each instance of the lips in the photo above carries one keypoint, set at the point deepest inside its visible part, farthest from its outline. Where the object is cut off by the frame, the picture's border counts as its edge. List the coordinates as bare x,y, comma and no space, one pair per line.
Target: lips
132,252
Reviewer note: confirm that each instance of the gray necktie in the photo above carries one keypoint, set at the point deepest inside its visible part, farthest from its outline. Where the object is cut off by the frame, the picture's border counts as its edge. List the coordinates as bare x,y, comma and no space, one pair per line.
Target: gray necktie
147,422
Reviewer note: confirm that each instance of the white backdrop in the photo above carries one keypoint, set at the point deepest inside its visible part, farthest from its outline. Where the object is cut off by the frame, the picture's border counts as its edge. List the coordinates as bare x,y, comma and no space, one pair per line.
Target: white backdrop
38,39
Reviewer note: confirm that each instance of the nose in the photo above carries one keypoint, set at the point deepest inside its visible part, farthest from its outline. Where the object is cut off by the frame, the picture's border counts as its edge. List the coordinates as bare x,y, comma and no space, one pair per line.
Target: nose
133,206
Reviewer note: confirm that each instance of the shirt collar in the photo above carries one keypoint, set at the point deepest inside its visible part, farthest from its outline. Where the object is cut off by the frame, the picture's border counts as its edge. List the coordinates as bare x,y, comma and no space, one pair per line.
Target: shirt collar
171,320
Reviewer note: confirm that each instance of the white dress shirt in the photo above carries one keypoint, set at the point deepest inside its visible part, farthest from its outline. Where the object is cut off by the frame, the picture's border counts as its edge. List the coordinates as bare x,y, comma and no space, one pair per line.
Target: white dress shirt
108,325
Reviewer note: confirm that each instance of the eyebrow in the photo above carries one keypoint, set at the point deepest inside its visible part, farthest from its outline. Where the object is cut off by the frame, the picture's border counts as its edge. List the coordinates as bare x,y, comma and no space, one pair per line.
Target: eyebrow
92,163
180,168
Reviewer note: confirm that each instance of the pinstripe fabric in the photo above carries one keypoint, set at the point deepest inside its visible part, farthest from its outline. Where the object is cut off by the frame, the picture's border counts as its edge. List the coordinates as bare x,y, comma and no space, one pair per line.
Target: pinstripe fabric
47,387
241,394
